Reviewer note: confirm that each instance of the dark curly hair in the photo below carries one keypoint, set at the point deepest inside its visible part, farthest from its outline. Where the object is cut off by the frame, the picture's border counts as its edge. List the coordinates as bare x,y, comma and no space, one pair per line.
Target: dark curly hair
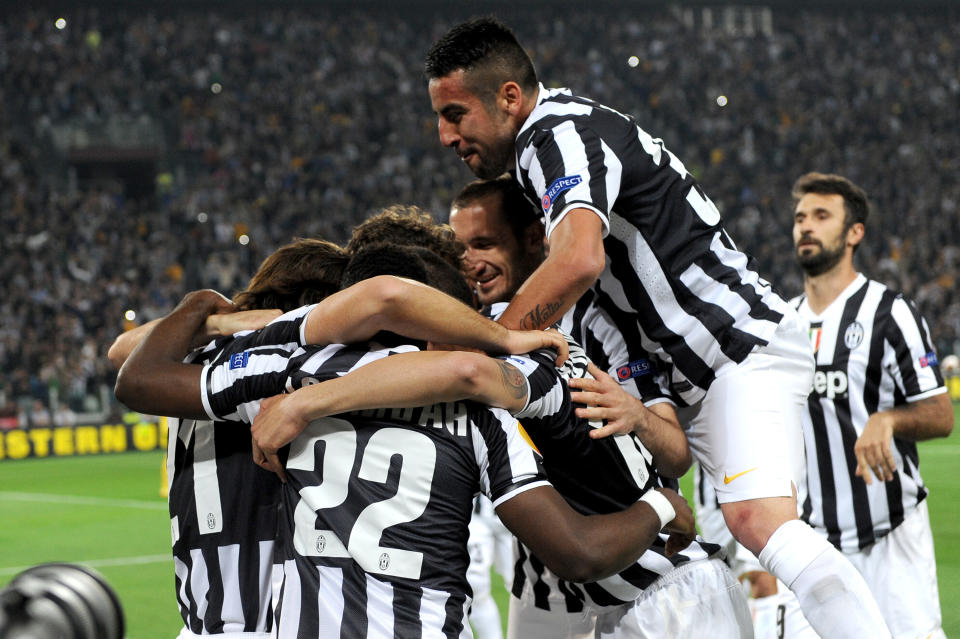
408,225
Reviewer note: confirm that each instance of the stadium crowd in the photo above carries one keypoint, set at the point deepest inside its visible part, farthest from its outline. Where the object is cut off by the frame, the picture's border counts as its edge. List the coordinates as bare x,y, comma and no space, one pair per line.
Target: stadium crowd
297,122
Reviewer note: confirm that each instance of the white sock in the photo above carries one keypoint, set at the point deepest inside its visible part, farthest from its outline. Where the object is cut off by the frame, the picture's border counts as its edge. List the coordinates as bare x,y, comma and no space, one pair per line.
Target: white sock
485,618
832,594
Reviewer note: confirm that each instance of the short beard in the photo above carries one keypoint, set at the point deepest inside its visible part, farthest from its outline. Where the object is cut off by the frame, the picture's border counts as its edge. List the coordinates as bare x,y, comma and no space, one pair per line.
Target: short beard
496,166
819,263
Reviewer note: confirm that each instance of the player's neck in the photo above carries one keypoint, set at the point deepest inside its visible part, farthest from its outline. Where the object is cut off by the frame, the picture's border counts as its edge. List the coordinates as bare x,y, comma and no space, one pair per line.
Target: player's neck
823,289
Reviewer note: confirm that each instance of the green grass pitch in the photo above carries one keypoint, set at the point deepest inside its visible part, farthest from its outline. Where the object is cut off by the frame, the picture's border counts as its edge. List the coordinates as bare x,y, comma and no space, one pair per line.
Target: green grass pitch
105,512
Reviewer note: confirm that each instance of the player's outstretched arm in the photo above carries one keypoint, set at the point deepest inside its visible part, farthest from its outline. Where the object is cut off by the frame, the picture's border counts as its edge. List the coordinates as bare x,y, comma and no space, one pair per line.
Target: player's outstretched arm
411,309
217,325
125,342
401,381
154,379
586,548
657,426
917,421
576,259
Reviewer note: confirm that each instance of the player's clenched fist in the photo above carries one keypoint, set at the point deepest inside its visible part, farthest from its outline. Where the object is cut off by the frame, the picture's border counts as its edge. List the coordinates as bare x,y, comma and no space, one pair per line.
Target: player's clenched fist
683,528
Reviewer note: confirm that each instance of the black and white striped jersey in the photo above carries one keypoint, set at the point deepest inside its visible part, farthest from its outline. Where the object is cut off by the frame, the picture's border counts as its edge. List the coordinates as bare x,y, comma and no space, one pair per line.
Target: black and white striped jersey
639,373
223,520
873,352
375,513
260,359
594,476
592,337
674,279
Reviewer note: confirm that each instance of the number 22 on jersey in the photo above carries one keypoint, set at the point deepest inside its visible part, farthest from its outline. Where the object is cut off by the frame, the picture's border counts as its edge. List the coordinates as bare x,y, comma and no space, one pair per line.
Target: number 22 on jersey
418,459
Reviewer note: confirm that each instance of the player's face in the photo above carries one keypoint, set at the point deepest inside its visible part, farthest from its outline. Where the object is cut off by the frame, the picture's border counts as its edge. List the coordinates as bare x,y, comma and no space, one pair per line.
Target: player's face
481,134
818,232
495,259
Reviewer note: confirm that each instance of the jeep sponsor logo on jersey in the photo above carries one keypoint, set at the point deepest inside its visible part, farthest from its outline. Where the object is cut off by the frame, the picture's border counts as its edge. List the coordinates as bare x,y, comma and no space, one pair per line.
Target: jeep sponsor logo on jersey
830,383
559,186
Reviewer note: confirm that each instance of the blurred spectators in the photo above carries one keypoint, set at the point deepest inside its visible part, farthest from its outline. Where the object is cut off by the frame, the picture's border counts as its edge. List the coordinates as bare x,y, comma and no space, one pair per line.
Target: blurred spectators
301,122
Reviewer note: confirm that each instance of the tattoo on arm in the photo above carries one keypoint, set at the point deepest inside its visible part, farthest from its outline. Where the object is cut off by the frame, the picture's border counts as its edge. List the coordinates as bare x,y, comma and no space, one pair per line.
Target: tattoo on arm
539,317
513,381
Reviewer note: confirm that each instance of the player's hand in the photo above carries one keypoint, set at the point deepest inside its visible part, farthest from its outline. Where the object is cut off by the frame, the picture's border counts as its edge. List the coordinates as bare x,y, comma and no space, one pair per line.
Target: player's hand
520,342
276,425
224,324
271,463
683,528
606,400
207,300
873,449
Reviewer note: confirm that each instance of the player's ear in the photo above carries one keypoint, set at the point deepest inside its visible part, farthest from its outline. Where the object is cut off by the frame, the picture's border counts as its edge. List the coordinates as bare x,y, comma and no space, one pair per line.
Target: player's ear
533,238
510,97
855,234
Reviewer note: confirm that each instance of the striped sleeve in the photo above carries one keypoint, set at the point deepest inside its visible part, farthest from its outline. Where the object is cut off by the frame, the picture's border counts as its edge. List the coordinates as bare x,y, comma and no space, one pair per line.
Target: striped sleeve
545,391
231,388
574,169
614,345
909,355
314,364
508,463
250,367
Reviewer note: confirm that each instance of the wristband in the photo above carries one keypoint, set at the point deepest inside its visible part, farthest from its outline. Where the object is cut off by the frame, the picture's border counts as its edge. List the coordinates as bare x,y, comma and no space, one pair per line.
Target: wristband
661,505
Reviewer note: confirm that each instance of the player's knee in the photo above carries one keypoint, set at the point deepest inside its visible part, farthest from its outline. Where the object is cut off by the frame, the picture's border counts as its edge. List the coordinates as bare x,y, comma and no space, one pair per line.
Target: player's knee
752,522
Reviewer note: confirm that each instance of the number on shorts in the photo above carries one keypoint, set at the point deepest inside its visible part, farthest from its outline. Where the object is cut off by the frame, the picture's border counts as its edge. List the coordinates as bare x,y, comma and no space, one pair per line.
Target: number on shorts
410,501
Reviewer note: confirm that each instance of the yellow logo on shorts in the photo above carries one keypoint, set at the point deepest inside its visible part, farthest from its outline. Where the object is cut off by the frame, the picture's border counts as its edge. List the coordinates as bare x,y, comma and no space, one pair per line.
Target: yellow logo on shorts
728,478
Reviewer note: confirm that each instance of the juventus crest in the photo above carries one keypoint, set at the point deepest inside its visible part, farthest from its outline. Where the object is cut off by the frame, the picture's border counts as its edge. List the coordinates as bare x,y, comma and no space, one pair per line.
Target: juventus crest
853,335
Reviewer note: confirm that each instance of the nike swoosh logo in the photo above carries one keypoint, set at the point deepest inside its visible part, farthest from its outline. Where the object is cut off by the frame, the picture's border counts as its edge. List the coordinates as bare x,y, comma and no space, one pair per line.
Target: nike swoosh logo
729,478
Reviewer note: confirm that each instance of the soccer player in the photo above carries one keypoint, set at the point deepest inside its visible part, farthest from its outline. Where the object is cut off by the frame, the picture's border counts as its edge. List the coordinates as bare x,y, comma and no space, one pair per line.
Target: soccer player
632,234
223,509
375,509
877,391
504,241
489,540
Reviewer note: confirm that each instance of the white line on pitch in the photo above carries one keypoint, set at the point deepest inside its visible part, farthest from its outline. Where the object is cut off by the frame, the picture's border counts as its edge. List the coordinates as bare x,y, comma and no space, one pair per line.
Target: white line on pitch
82,501
102,563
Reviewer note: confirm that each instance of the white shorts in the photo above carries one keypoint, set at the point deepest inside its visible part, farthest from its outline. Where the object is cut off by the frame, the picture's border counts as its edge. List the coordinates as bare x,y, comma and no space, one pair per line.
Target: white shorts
713,528
526,621
746,432
901,571
698,599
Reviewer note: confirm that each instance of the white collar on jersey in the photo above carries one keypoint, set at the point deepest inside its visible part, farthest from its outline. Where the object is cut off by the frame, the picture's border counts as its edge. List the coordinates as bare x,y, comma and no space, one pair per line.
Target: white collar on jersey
542,94
840,299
